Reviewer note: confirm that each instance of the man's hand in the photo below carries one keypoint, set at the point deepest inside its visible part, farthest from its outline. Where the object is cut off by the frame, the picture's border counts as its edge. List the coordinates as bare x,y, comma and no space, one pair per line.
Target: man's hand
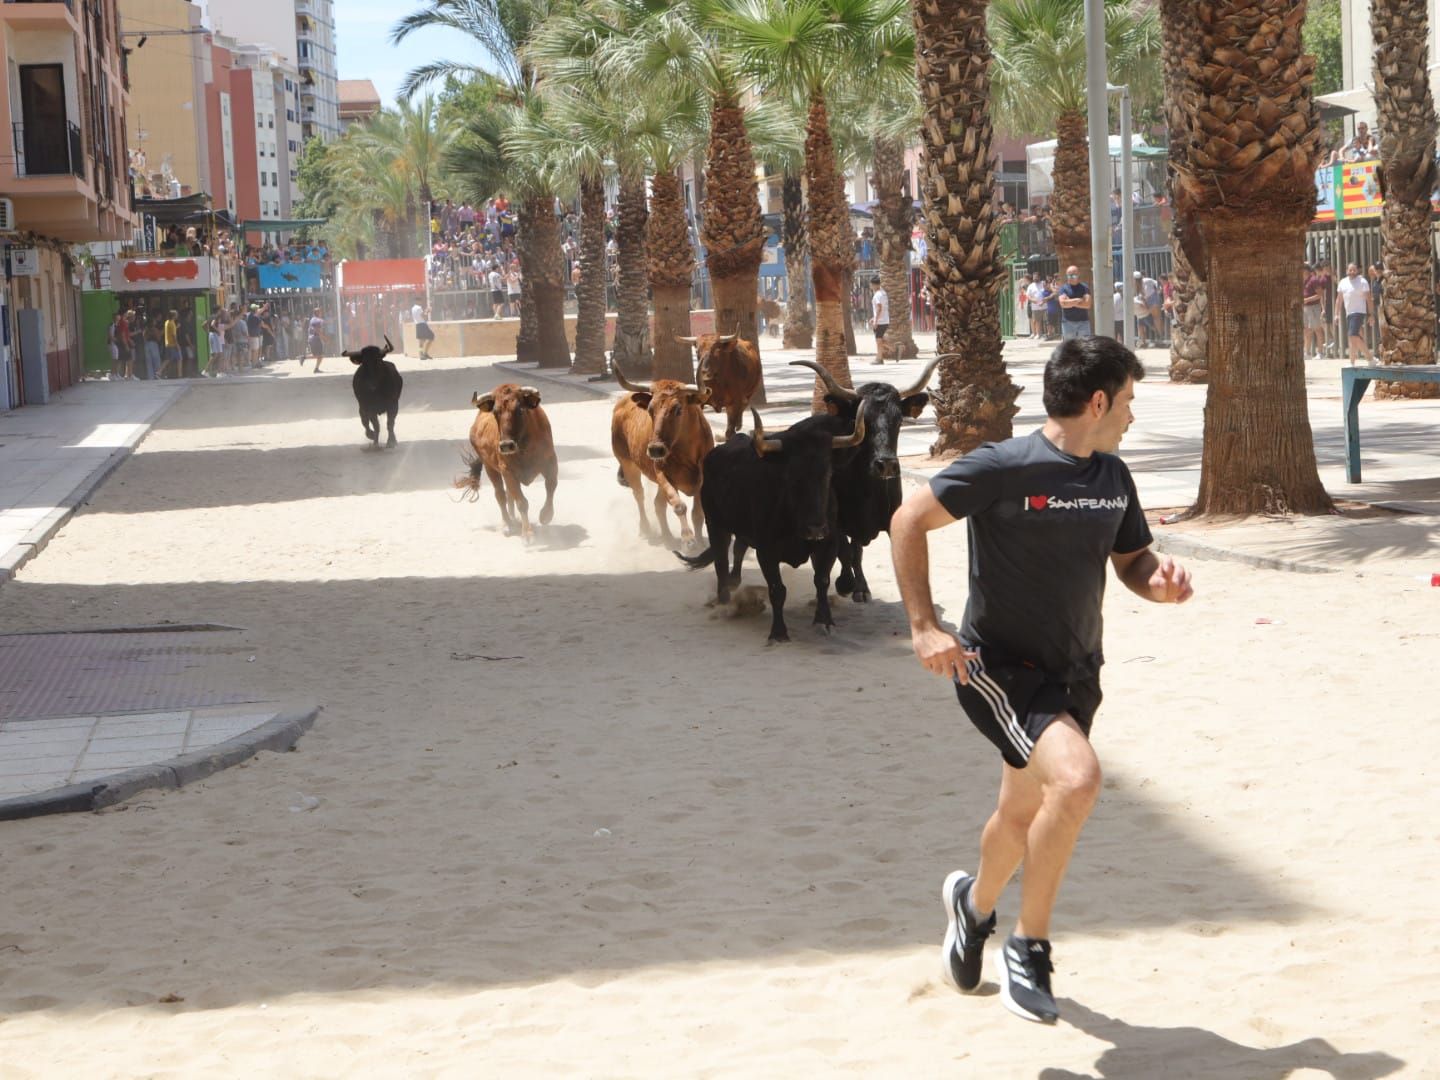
941,653
1170,583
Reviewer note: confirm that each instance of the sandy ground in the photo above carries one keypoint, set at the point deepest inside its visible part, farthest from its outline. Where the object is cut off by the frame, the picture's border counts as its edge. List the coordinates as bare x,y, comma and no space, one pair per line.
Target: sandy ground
1255,896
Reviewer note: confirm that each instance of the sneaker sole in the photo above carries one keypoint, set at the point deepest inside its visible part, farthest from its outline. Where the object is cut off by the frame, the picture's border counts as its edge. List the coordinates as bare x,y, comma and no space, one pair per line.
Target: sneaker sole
1003,976
952,932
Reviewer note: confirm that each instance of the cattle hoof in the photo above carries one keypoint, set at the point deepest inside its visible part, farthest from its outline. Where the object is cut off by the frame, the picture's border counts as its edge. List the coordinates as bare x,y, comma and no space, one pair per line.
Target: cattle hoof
546,516
779,639
860,596
390,443
844,586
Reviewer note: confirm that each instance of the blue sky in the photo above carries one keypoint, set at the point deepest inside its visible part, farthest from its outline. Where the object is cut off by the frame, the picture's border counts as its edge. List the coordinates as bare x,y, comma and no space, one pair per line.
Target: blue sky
362,28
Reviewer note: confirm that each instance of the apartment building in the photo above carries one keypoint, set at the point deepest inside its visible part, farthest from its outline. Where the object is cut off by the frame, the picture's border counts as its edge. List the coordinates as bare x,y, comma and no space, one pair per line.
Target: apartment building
1358,57
274,97
359,101
63,177
168,129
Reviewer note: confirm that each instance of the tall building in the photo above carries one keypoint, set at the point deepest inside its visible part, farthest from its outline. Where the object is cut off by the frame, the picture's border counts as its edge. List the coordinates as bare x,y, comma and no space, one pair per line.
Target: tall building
359,101
63,170
273,87
302,32
166,123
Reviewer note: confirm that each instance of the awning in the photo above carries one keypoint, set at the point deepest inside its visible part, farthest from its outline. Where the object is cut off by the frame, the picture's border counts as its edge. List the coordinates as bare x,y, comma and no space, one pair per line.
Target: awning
189,210
1345,102
281,224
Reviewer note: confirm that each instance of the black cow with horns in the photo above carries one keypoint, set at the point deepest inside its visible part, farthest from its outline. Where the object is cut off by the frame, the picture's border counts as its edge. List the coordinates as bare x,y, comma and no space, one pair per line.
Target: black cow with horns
377,385
773,493
867,483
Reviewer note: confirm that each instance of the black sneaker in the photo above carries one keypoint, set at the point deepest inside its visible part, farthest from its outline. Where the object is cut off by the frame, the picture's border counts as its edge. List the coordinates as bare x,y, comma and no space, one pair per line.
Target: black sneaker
964,946
1025,979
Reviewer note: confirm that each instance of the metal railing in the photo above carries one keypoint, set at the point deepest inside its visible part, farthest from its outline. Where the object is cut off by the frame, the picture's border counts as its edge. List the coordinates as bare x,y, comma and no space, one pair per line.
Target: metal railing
52,159
70,4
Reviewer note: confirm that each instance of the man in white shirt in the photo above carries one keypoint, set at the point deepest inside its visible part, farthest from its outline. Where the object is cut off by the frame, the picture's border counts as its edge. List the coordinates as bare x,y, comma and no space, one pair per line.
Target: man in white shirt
880,305
1355,294
1036,292
497,291
423,334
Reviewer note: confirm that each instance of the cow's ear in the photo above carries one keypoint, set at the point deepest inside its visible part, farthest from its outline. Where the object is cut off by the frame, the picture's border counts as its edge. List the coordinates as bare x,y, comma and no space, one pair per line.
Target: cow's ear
642,400
700,397
529,397
832,405
483,402
914,405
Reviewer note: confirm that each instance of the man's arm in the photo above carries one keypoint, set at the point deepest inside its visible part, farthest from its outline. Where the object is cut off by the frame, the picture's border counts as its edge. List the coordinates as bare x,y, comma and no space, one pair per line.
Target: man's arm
938,651
1159,579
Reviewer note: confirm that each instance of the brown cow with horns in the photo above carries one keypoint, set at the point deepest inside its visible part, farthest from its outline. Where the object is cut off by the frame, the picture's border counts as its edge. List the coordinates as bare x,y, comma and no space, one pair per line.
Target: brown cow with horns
660,432
512,443
729,367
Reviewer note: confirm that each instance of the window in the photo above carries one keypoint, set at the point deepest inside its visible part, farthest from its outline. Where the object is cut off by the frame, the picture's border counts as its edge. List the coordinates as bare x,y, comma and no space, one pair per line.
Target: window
272,123
290,115
274,180
262,180
288,85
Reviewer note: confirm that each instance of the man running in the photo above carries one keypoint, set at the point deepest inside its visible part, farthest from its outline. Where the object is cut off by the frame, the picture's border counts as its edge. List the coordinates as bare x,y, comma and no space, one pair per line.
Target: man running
1045,513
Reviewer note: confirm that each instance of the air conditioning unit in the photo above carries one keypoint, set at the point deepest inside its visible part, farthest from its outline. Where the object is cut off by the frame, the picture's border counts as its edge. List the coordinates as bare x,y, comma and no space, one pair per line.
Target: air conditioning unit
7,216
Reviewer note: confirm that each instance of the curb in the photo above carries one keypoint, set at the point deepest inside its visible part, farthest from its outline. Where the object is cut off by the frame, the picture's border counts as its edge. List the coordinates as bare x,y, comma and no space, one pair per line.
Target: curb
278,734
34,541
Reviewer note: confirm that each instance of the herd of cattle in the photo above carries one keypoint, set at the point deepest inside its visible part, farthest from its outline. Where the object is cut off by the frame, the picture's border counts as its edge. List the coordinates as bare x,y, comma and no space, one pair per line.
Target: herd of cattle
819,491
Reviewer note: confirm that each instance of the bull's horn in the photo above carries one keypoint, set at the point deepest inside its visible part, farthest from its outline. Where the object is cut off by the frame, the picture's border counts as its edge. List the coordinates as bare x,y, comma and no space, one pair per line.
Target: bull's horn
763,445
483,402
528,390
925,375
845,442
626,384
725,339
388,347
686,340
842,392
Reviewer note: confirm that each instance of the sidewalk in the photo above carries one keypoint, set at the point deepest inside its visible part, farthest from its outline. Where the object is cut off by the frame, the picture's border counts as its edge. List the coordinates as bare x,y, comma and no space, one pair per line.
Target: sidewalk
52,456
1400,449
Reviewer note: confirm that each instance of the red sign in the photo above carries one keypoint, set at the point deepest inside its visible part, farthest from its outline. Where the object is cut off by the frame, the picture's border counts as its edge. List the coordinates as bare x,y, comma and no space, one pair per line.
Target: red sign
161,270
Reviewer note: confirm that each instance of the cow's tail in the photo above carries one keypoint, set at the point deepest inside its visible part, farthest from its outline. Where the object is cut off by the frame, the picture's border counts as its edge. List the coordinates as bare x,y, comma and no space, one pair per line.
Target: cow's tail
698,562
468,482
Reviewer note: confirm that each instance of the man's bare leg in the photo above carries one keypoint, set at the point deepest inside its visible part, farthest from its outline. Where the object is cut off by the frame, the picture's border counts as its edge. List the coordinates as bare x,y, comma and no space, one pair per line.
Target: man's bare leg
1002,844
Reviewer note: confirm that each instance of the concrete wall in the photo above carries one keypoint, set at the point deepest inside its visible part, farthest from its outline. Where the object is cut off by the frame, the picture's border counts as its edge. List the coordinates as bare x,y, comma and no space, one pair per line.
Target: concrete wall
496,337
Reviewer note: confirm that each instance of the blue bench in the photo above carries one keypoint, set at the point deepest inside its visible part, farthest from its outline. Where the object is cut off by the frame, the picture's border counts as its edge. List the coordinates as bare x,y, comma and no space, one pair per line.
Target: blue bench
1354,381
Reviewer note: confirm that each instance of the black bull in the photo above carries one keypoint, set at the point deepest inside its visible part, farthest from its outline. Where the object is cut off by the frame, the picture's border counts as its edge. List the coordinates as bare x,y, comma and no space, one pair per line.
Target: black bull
867,482
774,493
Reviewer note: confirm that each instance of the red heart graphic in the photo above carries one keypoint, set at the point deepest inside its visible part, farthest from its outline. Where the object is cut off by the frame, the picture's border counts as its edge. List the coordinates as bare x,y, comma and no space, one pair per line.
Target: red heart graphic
1039,502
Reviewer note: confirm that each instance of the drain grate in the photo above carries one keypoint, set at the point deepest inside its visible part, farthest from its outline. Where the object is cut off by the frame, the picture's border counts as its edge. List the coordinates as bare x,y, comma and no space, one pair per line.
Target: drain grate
134,669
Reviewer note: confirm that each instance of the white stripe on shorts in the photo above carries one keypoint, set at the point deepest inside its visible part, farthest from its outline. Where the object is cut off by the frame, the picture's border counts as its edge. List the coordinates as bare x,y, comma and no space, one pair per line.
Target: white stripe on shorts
999,704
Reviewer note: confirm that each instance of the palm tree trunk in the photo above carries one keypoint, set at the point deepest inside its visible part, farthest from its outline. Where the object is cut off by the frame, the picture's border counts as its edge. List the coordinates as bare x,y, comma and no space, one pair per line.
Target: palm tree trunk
832,250
975,401
590,293
1189,337
893,217
1070,203
1407,177
799,327
732,227
1247,181
545,277
671,267
632,317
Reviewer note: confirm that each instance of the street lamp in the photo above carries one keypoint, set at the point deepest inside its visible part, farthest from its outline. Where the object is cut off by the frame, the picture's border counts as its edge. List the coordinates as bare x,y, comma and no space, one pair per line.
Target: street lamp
1127,214
1102,300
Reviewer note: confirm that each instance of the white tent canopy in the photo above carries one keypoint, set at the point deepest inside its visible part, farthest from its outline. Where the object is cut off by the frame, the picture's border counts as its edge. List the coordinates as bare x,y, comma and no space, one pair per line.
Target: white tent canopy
1040,162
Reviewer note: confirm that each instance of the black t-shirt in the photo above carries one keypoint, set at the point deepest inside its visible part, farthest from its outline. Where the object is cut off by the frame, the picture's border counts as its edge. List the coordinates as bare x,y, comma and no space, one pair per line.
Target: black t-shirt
1077,291
1042,526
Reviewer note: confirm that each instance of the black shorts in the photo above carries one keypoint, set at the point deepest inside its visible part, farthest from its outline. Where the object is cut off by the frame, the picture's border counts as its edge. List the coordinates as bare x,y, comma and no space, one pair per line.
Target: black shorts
497,297
1355,324
423,332
880,329
1012,702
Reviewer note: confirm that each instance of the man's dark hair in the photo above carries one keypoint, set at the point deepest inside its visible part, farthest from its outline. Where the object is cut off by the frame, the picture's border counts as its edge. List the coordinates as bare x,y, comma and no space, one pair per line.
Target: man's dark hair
1080,366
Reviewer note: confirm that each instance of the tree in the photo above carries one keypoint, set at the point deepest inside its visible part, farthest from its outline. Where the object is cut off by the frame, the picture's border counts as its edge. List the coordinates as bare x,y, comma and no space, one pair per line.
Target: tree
484,165
1246,182
1189,340
1039,86
975,401
1406,114
804,47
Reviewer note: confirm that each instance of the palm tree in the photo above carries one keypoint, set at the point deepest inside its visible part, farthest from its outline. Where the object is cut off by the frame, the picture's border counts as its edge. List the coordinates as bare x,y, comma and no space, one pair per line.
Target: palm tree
1247,182
408,143
500,29
975,401
894,118
1406,113
1188,340
1039,85
805,47
799,326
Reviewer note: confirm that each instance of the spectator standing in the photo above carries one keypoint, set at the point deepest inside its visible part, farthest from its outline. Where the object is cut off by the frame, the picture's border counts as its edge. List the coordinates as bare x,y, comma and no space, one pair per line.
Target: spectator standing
216,367
1327,301
1036,293
254,333
170,340
1313,306
496,282
317,338
1118,306
152,349
126,333
1355,295
1052,308
512,288
880,323
112,340
423,334
1075,304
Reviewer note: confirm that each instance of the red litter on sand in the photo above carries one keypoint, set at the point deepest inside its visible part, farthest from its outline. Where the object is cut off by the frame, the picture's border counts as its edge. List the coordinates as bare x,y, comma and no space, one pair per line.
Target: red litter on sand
1435,580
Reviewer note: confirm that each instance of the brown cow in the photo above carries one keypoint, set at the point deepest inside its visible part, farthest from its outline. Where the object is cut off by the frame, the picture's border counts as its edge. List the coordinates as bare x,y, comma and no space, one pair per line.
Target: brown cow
729,367
660,431
512,444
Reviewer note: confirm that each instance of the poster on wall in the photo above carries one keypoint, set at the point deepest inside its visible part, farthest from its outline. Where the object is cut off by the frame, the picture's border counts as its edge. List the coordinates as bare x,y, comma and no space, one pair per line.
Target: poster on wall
275,277
1326,181
24,262
1360,190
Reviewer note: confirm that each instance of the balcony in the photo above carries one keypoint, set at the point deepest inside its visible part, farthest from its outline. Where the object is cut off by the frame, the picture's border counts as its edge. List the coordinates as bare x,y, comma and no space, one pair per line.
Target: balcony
48,151
40,14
